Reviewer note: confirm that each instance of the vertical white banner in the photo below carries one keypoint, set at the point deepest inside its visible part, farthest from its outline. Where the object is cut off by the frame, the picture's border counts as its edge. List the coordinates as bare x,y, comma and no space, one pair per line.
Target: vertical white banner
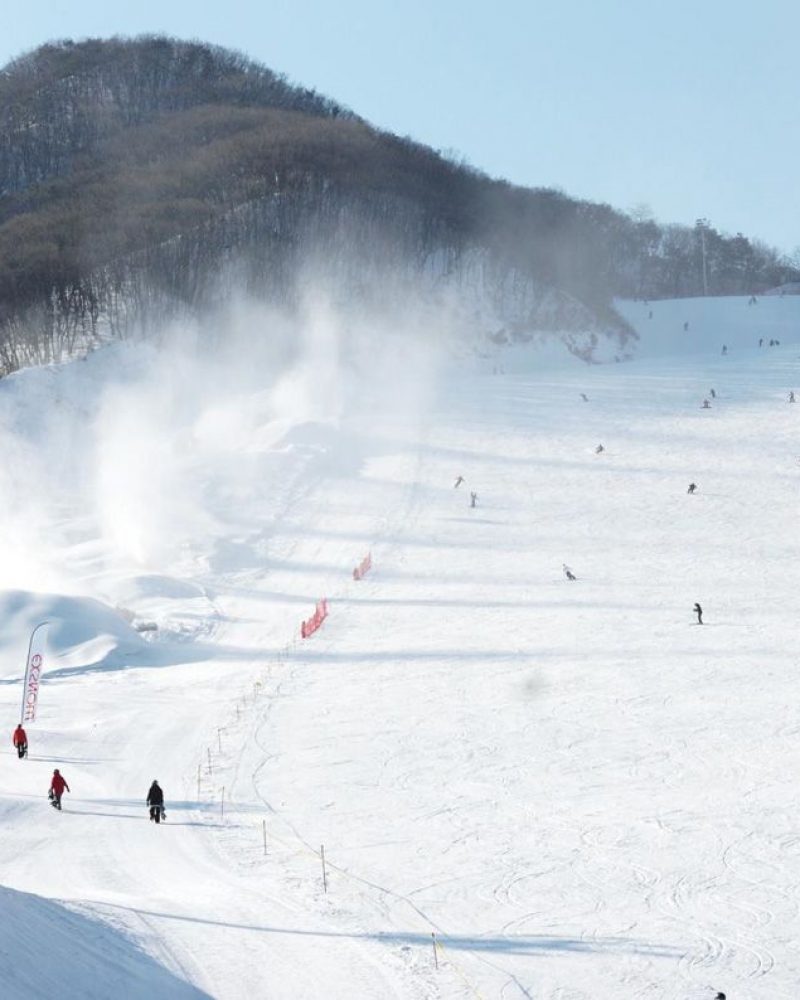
33,671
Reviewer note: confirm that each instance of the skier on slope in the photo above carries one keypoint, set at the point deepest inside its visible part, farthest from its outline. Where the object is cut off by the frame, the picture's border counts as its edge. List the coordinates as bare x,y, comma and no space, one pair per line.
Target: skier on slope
713,394
458,482
57,786
699,612
584,397
692,487
706,405
791,396
568,572
155,801
20,741
473,499
599,449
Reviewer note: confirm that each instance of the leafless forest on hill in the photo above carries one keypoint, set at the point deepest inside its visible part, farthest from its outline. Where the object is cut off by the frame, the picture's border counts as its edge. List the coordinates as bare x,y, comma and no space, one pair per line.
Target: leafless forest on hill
146,179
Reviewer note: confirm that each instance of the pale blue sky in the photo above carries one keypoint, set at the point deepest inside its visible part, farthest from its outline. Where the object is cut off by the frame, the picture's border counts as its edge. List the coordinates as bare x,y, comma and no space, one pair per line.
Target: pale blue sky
690,106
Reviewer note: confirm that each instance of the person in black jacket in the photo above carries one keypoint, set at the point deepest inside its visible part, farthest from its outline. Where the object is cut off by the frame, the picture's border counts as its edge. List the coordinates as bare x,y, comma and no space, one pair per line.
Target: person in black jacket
699,612
155,800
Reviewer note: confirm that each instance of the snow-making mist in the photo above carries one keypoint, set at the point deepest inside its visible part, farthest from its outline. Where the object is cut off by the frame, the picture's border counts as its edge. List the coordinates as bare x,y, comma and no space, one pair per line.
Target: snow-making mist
144,450
578,790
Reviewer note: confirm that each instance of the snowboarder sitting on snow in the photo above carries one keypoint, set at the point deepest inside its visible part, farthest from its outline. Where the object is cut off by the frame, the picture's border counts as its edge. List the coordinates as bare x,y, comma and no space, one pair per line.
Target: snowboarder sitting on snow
155,800
699,612
692,487
57,786
458,482
706,404
568,572
473,499
20,741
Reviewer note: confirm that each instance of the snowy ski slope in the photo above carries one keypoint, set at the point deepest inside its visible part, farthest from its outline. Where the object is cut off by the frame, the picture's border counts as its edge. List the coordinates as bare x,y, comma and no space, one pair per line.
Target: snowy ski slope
581,792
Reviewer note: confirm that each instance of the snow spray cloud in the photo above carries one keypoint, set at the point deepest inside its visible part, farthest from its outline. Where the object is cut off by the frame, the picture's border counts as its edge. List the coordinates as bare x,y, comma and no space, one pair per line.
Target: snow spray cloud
140,458
199,445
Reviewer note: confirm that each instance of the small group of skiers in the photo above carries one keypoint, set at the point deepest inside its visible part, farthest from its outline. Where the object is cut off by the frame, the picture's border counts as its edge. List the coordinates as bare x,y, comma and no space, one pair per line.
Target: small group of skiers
473,497
58,783
706,404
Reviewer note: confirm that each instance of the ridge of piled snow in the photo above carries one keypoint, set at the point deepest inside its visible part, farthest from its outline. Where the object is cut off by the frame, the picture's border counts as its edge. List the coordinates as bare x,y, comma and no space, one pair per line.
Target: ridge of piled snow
52,951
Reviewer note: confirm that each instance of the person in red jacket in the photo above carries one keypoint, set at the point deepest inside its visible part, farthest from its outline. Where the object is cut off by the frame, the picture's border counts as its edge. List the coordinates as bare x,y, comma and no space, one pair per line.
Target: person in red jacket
20,741
57,786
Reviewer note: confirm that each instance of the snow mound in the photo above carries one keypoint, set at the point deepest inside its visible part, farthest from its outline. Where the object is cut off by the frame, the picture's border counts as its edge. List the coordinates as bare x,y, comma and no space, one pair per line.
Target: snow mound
83,631
51,951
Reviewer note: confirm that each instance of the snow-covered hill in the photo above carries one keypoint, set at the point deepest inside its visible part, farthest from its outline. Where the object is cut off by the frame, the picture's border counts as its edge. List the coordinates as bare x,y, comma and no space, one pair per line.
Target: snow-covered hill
578,790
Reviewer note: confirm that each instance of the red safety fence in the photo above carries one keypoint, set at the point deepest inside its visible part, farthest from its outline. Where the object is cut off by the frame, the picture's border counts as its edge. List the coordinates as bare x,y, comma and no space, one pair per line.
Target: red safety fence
363,567
310,626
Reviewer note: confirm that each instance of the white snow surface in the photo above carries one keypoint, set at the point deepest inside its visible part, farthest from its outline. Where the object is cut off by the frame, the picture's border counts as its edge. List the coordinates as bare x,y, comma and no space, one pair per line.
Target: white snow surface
581,792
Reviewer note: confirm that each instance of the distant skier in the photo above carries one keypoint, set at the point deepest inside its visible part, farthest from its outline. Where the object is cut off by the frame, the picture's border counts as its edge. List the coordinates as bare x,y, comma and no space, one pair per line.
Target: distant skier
473,499
706,405
568,572
584,397
57,786
458,482
713,394
20,741
760,341
720,996
699,612
724,348
599,449
692,487
686,326
155,801
791,396
650,314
